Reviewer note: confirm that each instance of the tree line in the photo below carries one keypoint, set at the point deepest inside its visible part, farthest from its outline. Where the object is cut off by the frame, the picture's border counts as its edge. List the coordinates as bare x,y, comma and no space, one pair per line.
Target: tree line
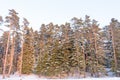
80,47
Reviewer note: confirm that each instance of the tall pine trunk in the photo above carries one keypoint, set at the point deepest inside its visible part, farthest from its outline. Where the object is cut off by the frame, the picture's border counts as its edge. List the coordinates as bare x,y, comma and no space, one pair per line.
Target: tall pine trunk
6,54
21,57
114,52
11,57
96,53
84,61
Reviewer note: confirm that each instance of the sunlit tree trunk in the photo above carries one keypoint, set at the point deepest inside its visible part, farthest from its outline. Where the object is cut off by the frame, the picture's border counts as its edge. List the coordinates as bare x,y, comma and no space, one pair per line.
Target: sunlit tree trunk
113,44
96,52
6,54
11,57
21,57
84,61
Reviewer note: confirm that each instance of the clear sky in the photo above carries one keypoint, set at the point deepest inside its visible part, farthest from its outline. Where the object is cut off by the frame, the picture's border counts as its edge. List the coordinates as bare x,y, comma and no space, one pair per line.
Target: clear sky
60,11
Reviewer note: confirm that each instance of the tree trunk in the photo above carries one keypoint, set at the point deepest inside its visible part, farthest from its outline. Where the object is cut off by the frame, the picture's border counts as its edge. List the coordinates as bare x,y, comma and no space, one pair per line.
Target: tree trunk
96,52
113,44
11,58
84,62
6,53
21,56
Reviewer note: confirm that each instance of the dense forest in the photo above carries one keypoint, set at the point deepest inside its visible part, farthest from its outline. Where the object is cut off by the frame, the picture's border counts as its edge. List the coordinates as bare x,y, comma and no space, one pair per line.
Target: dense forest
78,48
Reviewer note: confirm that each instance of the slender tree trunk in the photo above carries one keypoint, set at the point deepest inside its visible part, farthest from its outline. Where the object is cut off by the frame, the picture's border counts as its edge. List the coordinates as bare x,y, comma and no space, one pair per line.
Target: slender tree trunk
84,57
91,66
84,62
96,52
21,57
11,59
113,44
77,56
6,53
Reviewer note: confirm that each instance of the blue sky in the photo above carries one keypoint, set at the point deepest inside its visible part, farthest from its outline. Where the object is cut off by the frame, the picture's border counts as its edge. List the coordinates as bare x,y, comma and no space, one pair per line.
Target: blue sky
60,11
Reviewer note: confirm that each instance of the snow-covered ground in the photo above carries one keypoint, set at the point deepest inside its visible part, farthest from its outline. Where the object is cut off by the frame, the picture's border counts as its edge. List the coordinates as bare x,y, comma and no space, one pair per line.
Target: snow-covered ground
34,77
23,77
110,76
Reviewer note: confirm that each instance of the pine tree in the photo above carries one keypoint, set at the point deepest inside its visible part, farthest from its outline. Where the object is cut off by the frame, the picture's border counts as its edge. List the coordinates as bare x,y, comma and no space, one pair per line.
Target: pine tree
20,59
99,54
79,44
14,21
28,53
46,38
114,36
42,48
7,47
107,46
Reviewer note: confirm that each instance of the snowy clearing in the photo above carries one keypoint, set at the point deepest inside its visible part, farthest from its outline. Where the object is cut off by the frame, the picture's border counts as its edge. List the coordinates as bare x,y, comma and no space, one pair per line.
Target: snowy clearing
34,77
